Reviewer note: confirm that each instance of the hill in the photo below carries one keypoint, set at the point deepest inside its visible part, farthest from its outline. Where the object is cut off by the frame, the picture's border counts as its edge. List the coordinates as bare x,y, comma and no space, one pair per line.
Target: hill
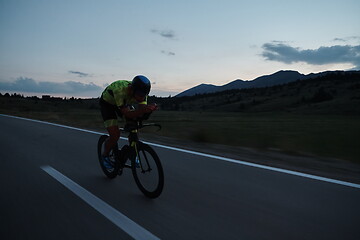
277,78
330,93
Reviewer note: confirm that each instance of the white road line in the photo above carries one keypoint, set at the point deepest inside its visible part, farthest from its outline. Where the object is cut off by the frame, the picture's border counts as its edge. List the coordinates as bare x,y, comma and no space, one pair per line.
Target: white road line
305,175
120,220
49,123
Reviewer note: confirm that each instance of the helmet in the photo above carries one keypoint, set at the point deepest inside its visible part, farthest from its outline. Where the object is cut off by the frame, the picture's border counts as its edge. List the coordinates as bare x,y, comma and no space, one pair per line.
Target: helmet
141,85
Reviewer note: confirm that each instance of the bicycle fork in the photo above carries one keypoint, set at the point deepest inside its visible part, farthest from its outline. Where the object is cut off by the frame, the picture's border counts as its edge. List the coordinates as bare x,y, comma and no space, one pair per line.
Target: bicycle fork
133,139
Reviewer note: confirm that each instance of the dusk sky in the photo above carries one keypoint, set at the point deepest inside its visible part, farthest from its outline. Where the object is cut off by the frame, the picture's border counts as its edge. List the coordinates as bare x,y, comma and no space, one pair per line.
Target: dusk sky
77,47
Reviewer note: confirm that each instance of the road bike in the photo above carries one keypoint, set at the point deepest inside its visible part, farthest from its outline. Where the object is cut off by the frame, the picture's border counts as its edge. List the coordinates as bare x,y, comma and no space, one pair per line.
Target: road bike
138,156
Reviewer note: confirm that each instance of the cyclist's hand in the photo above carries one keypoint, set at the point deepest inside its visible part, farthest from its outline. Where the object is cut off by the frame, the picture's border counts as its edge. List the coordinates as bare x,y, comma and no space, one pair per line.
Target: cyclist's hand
149,108
153,106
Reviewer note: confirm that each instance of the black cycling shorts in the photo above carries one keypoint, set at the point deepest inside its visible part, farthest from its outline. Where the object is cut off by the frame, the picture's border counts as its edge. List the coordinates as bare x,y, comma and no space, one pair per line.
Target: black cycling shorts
109,113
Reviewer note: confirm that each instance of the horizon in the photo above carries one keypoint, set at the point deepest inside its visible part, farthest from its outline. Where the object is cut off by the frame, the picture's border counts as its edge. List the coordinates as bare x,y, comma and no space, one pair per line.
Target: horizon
68,96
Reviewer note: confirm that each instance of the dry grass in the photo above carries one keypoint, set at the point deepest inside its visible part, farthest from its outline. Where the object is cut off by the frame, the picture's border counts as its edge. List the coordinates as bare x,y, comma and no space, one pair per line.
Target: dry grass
323,135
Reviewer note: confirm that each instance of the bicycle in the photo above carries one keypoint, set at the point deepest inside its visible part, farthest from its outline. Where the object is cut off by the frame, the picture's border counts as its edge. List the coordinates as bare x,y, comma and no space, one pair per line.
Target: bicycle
144,162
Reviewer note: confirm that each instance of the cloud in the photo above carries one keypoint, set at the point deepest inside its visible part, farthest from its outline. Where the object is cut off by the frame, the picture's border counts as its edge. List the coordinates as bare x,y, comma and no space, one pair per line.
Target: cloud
323,55
347,39
168,53
164,33
24,84
80,74
339,40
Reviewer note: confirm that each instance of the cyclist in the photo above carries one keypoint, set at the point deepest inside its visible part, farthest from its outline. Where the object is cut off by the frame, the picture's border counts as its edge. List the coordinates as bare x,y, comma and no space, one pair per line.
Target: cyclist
116,101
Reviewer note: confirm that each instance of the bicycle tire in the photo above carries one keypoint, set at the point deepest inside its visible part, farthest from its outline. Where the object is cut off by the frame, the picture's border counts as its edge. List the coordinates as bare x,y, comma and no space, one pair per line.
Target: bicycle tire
110,173
146,150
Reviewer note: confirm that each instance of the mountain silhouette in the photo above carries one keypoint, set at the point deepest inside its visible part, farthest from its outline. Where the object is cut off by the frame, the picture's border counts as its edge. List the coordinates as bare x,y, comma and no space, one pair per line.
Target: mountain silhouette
280,77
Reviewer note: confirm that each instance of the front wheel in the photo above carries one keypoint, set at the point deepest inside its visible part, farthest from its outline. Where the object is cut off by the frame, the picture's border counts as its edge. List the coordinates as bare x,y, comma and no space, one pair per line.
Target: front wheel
147,171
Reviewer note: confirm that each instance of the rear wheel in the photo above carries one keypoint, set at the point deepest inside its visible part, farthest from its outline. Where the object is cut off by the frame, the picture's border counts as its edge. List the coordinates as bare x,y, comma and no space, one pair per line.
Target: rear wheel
113,155
147,171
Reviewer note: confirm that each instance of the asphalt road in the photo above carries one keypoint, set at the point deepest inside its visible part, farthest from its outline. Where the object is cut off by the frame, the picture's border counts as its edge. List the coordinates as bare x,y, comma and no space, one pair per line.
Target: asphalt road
203,198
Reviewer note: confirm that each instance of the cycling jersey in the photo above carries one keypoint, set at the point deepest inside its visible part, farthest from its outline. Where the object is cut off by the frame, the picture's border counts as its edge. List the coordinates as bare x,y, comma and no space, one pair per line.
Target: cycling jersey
117,94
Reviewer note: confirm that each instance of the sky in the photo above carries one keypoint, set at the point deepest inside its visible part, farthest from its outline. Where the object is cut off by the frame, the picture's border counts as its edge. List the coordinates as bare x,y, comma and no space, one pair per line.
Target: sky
78,47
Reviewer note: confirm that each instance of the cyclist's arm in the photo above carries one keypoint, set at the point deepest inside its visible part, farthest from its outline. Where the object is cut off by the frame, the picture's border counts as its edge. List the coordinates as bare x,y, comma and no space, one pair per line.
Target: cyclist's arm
142,109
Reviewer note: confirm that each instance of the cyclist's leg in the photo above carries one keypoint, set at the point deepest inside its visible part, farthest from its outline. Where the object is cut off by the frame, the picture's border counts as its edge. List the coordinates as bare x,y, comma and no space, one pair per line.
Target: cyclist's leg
114,134
109,114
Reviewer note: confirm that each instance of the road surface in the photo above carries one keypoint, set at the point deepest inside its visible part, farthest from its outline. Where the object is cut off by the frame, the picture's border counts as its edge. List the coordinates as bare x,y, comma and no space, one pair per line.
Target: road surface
53,188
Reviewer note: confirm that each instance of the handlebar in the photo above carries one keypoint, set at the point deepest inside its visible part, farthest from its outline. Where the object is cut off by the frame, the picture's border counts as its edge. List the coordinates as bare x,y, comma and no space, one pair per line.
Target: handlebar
136,125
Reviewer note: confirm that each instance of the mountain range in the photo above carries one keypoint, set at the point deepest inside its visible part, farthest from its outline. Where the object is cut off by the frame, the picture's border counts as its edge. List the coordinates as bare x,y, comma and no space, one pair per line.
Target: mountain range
280,77
332,92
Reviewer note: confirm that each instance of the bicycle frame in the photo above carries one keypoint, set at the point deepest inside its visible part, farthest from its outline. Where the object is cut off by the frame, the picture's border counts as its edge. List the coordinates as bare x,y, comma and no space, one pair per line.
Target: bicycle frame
133,138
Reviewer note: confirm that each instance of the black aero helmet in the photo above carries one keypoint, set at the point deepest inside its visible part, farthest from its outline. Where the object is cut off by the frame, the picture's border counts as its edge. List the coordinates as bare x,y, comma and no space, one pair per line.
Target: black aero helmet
141,85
